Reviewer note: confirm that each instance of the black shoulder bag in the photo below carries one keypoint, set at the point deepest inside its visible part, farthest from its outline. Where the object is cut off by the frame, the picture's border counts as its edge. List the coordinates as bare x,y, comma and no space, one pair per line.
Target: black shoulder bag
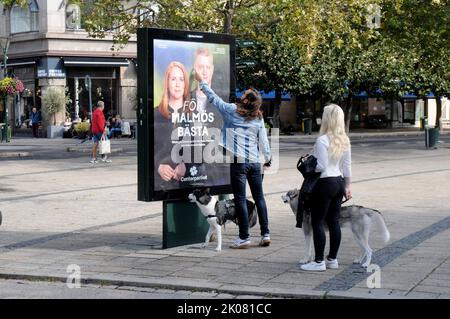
306,165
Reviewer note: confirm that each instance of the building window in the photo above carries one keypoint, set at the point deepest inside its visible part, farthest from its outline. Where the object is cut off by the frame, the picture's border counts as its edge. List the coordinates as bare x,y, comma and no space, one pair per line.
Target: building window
409,111
25,19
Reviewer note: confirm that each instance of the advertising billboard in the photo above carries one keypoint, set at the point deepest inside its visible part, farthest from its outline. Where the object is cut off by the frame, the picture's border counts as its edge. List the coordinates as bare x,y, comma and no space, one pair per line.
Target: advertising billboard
179,149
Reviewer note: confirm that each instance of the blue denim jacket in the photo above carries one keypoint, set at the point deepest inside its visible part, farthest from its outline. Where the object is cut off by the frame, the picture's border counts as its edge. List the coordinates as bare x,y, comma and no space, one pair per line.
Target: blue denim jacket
240,137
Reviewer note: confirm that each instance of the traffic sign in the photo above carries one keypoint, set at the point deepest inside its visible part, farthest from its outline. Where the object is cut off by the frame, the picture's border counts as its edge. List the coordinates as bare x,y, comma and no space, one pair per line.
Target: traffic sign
245,43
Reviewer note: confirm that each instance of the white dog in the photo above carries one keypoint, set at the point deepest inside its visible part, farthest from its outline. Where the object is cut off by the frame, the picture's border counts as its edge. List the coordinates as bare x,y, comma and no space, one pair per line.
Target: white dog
218,213
359,218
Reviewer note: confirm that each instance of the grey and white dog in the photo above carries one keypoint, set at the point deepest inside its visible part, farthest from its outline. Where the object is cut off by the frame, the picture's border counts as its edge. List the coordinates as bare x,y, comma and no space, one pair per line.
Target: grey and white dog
359,218
218,213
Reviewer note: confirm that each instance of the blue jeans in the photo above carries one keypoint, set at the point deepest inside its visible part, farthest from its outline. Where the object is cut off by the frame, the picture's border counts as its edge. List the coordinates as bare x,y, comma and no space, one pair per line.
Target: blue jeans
113,130
97,137
240,174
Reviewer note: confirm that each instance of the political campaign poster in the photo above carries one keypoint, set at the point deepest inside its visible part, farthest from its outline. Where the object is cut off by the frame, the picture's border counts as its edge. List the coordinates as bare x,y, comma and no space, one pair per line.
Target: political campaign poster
184,128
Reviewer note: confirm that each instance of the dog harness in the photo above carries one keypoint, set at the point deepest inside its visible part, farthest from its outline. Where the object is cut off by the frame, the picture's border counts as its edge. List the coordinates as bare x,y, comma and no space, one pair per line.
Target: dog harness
225,210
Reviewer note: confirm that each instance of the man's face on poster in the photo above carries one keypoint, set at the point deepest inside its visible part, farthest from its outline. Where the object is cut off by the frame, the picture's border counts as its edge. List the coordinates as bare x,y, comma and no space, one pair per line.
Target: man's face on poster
204,66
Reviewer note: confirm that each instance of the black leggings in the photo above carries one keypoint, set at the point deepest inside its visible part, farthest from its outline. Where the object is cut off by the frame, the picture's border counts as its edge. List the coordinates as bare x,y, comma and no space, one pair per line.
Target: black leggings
326,206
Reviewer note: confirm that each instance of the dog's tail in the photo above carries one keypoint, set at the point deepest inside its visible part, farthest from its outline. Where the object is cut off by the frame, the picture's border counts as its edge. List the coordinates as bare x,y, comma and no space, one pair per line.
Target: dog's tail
379,220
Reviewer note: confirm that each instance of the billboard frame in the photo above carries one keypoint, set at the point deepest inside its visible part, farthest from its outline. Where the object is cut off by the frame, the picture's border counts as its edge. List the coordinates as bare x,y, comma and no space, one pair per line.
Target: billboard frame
145,116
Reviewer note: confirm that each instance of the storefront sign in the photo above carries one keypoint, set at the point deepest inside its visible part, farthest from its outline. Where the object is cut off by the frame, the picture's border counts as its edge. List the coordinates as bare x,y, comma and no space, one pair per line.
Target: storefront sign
51,68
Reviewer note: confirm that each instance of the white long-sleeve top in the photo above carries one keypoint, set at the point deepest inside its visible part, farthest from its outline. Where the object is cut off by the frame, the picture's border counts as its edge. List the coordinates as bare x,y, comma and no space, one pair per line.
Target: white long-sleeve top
326,165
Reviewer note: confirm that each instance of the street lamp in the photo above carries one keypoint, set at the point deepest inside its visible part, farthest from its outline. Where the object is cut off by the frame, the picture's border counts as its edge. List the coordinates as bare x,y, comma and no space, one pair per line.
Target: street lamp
4,46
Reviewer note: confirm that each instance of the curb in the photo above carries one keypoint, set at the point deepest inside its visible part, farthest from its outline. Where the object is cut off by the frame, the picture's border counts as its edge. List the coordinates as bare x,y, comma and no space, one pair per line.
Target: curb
166,284
177,284
15,154
364,135
89,150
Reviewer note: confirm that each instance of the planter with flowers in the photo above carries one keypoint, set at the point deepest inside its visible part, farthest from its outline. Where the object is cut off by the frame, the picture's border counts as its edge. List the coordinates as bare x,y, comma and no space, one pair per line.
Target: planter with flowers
9,87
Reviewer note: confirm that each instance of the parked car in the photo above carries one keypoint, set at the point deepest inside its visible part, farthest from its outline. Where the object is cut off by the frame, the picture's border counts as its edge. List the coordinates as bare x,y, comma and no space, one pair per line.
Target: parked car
377,121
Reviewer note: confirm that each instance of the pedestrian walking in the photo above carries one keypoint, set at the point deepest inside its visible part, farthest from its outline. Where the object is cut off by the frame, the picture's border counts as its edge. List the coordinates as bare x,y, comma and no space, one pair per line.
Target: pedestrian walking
99,132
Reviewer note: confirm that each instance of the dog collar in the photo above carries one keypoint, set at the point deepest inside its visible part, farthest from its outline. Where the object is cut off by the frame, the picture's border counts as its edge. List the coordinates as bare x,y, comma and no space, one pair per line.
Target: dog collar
291,197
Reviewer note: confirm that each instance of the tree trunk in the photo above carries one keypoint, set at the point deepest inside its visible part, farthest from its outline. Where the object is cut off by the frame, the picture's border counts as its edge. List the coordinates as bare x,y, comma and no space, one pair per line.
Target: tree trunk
348,114
228,17
276,110
438,110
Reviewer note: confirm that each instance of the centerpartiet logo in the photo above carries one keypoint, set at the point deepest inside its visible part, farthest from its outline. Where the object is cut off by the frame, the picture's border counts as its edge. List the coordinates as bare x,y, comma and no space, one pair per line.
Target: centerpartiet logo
193,171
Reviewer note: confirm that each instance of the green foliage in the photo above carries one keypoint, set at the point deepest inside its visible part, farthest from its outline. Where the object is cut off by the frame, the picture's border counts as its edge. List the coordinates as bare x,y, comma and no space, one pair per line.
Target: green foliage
316,48
54,101
10,3
82,127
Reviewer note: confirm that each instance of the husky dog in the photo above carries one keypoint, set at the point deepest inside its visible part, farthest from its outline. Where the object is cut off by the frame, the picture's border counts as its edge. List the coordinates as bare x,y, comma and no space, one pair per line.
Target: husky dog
218,213
357,217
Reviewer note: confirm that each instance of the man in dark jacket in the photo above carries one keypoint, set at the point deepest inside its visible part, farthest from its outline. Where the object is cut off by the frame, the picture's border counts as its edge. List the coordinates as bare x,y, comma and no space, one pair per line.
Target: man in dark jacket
35,120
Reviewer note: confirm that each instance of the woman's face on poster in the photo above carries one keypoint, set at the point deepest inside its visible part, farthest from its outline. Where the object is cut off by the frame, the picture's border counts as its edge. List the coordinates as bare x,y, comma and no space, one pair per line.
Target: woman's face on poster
176,83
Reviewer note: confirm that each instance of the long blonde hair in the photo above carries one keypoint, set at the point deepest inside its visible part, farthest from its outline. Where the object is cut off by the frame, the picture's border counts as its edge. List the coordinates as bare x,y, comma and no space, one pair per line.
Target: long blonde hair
333,125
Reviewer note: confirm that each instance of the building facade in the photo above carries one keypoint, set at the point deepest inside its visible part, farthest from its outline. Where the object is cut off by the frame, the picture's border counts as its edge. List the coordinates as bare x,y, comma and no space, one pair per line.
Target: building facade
50,49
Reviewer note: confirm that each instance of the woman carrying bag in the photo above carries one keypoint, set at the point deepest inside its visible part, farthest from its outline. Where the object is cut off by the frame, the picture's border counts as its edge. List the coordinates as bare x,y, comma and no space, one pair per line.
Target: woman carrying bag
333,153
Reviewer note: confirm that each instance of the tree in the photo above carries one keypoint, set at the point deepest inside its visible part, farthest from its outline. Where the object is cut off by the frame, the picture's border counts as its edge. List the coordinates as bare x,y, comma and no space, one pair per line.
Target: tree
54,101
422,29
122,18
315,48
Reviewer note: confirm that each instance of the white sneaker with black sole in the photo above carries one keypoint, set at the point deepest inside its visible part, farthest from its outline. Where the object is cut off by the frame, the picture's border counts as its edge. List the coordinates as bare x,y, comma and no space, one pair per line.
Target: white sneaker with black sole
314,266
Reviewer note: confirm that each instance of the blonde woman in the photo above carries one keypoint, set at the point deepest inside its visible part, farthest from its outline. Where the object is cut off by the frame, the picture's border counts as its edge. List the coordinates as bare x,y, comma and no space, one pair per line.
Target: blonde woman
333,153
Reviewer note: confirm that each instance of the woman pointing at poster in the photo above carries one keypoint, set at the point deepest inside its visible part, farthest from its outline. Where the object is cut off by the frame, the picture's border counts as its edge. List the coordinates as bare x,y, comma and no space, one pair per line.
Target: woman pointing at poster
244,134
166,119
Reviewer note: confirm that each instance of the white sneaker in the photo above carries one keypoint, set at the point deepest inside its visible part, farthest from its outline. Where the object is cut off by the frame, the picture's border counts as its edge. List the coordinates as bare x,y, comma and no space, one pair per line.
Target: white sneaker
241,243
106,160
314,266
265,240
331,263
93,161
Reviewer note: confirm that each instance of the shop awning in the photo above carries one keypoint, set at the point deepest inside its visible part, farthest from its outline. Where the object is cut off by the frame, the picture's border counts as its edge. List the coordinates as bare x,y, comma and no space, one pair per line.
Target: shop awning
95,62
267,96
18,62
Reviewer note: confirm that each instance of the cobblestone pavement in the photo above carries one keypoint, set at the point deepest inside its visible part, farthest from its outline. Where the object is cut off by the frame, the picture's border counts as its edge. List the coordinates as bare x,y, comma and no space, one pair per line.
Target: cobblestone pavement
59,210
